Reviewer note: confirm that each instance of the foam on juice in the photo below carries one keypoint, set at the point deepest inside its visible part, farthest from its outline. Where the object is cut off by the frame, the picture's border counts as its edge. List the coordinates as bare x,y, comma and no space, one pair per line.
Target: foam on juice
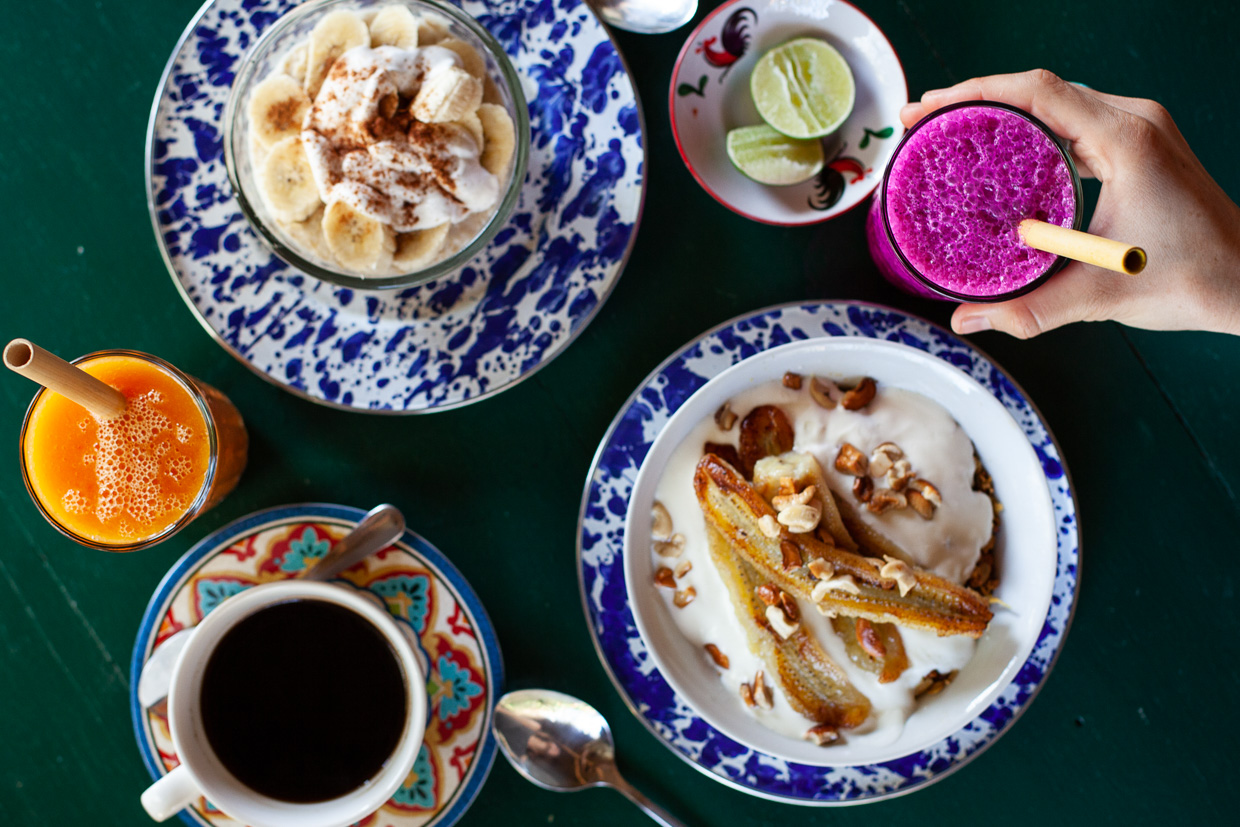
126,478
958,190
131,454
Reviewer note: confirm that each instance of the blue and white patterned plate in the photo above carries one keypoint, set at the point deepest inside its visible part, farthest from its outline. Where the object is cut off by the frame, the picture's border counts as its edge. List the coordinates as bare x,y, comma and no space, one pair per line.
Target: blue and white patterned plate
445,343
600,544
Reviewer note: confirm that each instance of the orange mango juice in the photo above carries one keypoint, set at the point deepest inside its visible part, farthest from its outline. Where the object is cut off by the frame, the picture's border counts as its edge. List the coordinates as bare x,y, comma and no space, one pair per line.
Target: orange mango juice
123,481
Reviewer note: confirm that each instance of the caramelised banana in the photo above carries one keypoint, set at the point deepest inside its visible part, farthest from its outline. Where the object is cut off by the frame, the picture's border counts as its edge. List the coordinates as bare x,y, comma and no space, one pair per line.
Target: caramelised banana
845,583
501,138
394,26
814,685
277,108
287,182
447,96
335,34
875,647
869,540
358,241
803,470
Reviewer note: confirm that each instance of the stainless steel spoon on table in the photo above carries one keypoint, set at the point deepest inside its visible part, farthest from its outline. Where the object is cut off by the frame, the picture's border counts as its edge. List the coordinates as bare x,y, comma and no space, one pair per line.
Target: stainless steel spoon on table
382,526
563,744
645,16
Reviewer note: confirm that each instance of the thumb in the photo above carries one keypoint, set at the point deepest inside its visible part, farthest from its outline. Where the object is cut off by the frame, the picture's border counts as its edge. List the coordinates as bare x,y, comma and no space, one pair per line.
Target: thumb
1058,302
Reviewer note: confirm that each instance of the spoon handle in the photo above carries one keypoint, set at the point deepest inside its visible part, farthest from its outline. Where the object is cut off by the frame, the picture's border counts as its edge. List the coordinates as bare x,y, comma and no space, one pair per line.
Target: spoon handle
381,526
660,815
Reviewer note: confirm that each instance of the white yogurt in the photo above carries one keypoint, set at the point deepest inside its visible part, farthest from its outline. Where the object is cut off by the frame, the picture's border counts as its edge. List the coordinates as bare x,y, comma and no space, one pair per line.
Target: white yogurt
938,450
414,180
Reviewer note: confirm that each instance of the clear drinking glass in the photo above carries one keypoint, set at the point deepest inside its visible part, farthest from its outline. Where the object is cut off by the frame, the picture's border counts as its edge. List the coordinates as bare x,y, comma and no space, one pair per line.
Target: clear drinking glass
893,262
48,447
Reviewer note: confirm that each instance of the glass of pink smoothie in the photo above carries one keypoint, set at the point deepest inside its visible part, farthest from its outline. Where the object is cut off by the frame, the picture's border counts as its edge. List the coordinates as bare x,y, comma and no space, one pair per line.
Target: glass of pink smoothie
944,224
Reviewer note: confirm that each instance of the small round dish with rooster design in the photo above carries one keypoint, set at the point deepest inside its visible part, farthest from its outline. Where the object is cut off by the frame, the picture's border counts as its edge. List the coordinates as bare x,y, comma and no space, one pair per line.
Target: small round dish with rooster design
710,94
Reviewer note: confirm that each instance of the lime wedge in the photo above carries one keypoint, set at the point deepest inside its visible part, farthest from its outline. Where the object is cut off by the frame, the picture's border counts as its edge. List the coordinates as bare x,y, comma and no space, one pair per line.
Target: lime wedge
803,88
770,157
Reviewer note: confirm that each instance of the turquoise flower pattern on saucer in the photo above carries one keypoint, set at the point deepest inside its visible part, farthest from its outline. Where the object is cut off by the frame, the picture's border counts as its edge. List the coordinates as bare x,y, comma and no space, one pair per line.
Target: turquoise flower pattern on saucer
455,643
462,689
302,551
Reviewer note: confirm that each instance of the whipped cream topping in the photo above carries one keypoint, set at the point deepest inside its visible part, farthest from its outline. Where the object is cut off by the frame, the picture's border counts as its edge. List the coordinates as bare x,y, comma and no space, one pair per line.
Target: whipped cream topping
381,162
948,545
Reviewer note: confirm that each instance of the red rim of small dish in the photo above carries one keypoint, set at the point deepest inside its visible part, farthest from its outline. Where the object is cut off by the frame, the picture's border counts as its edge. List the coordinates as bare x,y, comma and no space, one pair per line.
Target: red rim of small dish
671,108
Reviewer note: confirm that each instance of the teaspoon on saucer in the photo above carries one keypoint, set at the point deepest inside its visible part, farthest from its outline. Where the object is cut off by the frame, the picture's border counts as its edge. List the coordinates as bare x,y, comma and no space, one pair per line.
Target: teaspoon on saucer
563,744
382,526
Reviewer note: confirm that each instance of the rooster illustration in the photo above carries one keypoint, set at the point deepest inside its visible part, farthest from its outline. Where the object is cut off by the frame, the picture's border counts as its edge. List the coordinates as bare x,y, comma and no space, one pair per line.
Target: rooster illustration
830,183
734,38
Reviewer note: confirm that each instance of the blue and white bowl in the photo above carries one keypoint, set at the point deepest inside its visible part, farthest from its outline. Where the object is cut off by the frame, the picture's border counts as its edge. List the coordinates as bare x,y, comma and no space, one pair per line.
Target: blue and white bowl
627,654
1025,546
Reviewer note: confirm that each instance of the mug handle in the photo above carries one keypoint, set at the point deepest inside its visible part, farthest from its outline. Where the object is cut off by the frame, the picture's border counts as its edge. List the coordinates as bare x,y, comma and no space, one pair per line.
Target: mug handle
169,794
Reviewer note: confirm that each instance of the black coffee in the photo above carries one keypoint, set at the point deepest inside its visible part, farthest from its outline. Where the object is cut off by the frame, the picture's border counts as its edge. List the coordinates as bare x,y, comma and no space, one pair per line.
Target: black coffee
303,701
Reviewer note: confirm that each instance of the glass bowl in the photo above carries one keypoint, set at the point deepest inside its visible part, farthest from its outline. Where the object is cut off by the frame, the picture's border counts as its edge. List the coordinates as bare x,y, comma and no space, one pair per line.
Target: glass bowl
267,57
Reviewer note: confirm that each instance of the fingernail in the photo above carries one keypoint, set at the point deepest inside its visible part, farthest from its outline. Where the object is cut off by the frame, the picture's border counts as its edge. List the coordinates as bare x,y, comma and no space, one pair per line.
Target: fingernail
932,93
973,324
909,108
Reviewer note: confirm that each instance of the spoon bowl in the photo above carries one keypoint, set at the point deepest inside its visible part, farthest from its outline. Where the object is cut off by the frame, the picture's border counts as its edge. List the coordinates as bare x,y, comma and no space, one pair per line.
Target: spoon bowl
645,16
561,743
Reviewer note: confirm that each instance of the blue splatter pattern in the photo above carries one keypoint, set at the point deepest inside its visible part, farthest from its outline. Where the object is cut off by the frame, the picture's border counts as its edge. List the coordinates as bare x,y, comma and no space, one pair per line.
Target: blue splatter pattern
600,550
440,344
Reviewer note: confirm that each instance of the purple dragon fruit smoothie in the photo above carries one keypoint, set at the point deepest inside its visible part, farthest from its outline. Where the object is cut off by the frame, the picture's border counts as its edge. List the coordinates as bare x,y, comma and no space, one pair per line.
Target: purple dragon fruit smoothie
962,180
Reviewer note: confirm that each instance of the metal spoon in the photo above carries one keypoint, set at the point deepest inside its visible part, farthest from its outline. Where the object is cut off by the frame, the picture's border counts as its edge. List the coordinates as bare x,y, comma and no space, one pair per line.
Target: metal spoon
645,16
382,526
563,744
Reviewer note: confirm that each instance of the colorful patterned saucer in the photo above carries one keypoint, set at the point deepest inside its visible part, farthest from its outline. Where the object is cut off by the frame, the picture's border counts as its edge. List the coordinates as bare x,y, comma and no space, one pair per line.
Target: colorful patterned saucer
600,546
445,343
709,95
458,647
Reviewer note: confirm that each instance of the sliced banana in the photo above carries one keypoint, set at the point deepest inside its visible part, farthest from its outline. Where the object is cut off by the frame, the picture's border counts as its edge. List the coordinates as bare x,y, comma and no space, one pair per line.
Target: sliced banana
431,30
471,122
358,241
287,182
501,138
331,37
419,248
278,105
470,59
307,235
447,95
294,63
394,26
491,93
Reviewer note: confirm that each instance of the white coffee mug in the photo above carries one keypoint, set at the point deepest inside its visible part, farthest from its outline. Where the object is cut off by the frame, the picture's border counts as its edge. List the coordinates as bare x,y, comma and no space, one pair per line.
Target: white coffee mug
202,774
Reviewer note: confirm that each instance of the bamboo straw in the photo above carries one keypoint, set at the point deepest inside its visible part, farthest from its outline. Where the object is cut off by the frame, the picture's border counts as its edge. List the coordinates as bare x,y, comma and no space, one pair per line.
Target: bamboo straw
1079,246
25,357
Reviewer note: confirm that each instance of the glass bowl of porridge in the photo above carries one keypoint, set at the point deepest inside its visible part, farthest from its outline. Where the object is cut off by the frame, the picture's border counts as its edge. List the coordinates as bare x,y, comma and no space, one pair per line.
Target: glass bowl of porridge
376,143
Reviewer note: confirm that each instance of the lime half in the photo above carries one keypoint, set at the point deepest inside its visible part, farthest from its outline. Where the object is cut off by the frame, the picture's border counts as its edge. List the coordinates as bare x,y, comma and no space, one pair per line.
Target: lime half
803,88
770,157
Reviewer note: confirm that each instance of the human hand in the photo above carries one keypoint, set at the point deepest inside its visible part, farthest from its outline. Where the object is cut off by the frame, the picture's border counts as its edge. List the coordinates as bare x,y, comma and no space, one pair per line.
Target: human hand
1155,194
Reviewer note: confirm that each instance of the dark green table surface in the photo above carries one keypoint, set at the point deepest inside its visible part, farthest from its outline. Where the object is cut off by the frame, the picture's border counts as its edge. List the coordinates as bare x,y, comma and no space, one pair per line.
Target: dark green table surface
1136,725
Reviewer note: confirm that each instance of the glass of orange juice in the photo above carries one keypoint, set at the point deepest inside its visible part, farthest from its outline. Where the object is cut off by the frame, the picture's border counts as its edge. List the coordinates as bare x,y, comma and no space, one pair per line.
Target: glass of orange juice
129,482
